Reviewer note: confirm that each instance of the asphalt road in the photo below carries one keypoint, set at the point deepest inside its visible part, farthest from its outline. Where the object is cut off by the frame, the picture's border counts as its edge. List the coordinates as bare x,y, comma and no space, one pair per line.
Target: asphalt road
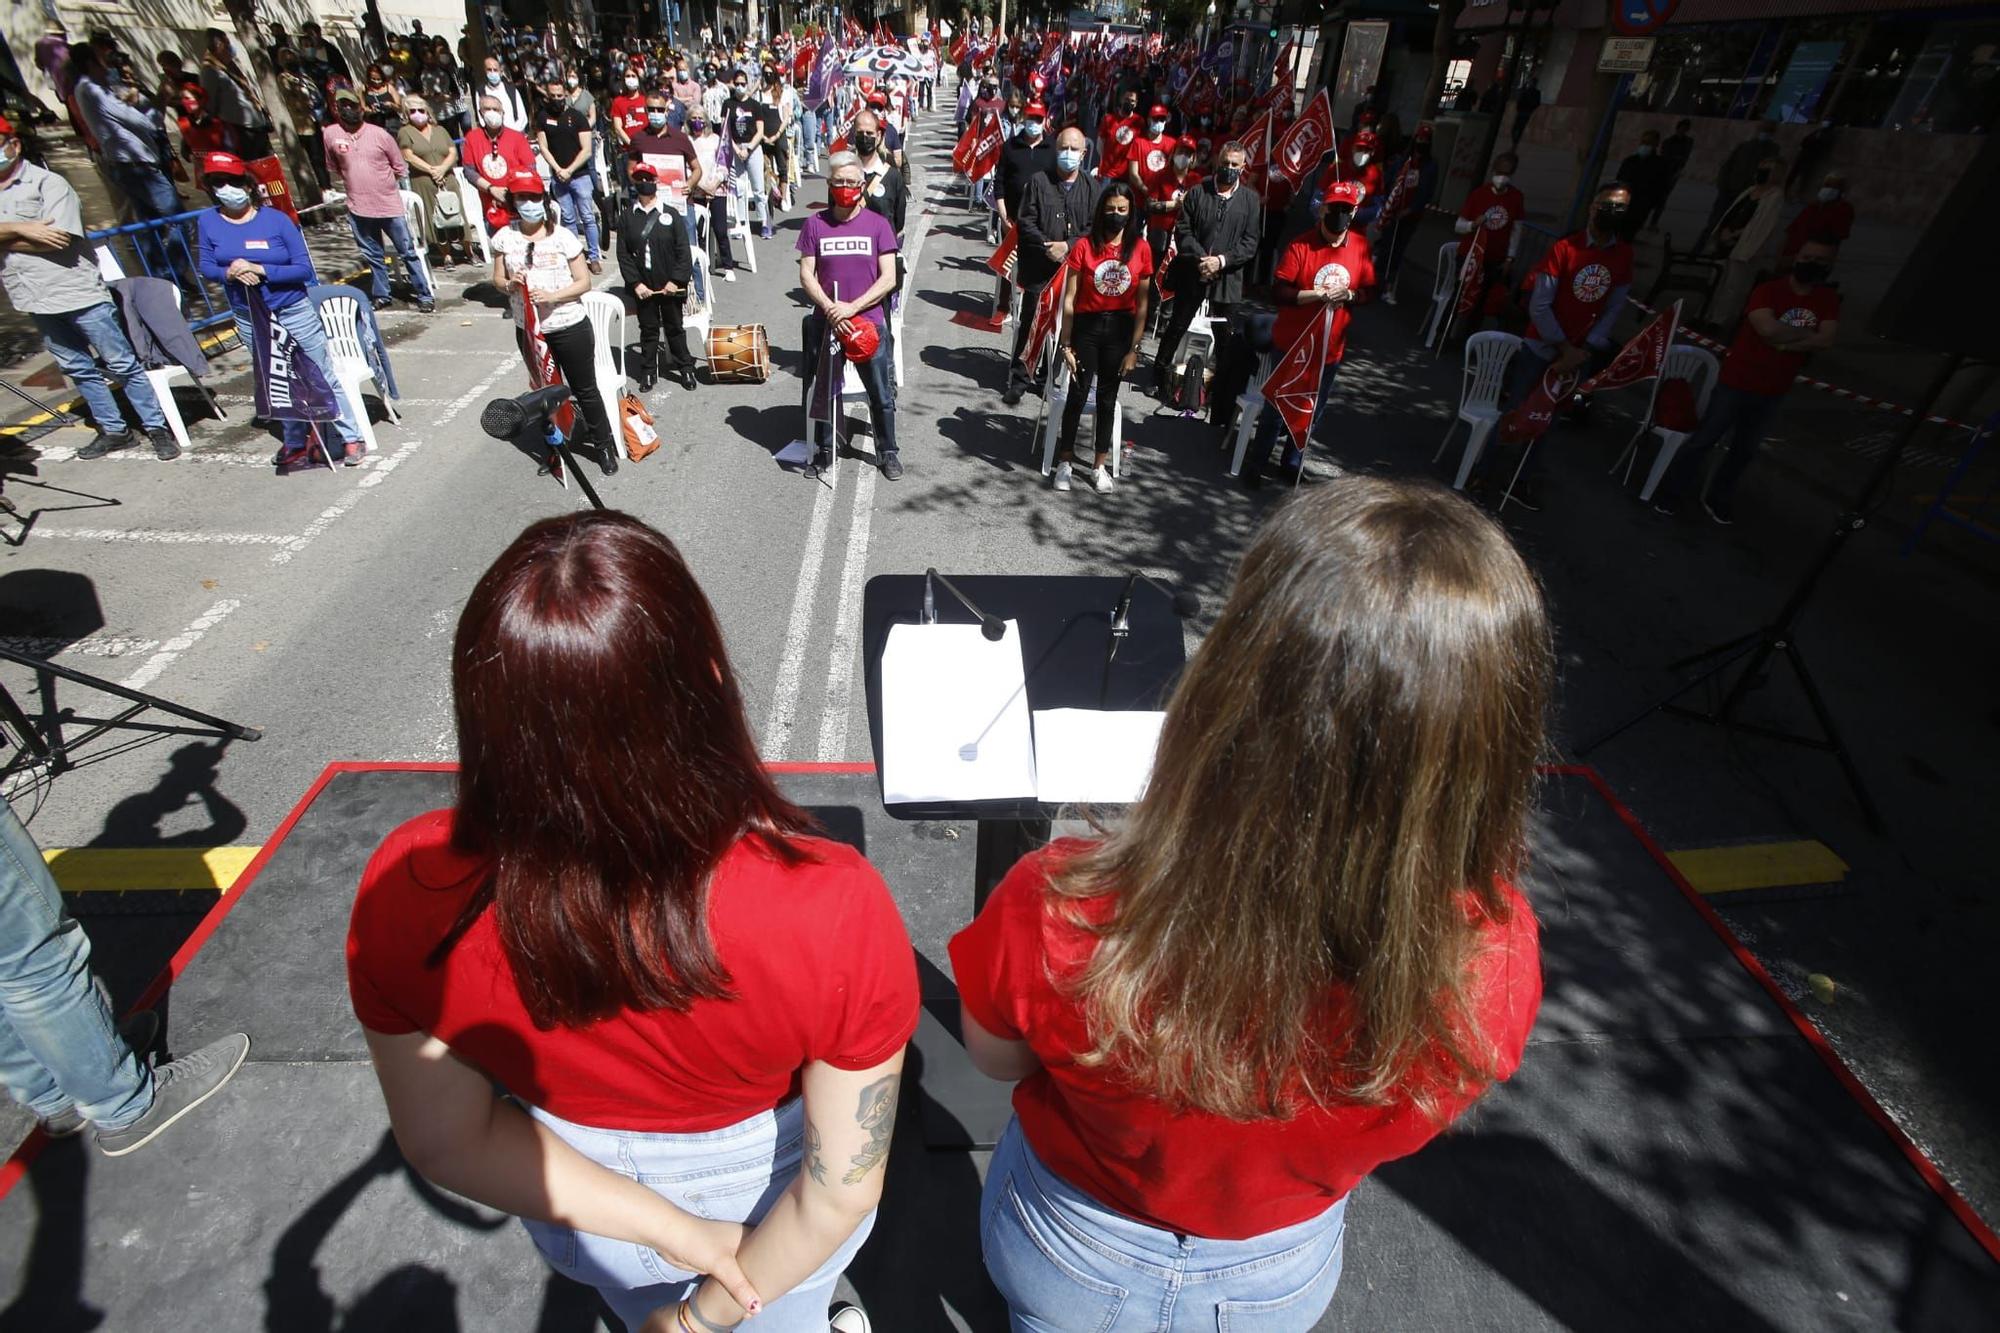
320,608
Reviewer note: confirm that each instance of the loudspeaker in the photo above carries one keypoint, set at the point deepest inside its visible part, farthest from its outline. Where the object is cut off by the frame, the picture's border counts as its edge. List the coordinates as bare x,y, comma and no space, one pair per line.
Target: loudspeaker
1947,297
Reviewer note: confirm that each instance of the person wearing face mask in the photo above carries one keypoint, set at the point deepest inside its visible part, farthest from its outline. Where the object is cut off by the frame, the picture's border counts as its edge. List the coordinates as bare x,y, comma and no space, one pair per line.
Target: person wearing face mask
892,138
1116,132
1413,184
847,265
714,93
1057,207
382,100
1221,224
1496,207
1027,153
884,190
537,252
1575,295
708,191
657,263
1010,119
1330,268
1788,319
1147,155
244,246
1739,173
627,118
578,98
686,90
494,154
1107,285
1747,227
368,166
1650,175
1364,164
563,138
432,158
233,98
514,108
1829,214
1165,189
743,123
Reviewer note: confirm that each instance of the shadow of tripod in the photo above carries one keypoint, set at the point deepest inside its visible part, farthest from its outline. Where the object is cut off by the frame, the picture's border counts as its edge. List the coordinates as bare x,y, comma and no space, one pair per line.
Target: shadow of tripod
44,742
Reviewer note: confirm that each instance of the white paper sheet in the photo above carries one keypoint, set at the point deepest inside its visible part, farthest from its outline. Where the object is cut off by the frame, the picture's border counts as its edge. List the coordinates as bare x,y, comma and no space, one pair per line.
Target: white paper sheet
955,716
1085,755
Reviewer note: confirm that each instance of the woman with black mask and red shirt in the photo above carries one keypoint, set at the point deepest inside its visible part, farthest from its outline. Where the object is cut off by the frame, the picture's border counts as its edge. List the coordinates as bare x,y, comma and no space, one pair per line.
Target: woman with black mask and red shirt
1105,295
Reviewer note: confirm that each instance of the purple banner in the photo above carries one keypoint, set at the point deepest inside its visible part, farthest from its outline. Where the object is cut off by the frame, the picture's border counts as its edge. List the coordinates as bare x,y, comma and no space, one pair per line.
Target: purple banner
290,385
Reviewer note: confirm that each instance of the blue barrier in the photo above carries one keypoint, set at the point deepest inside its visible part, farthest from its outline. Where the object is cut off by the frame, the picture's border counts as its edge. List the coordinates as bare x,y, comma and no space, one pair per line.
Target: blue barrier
163,248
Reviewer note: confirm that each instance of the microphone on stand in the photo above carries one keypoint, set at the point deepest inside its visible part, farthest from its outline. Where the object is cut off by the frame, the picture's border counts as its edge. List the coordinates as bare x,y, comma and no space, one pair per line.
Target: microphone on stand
992,627
1186,604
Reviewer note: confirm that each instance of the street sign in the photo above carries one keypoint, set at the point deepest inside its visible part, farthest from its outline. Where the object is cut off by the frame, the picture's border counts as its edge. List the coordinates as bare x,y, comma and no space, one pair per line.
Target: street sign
1625,55
1636,18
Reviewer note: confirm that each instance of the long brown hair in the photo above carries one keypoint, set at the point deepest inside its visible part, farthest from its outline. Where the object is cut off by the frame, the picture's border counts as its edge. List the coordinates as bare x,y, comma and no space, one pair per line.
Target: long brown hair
605,769
1350,752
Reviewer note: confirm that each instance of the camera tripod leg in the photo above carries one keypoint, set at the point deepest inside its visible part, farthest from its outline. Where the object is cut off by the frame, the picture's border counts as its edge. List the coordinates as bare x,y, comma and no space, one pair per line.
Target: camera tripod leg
1834,742
1728,653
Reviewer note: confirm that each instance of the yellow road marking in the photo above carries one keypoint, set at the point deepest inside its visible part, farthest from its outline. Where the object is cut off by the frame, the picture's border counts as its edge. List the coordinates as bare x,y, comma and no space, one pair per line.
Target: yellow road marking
116,869
1762,865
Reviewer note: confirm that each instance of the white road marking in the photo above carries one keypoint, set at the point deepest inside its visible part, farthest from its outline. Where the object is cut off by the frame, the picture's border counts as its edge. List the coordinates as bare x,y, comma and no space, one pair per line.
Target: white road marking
91,646
792,659
846,621
157,537
150,670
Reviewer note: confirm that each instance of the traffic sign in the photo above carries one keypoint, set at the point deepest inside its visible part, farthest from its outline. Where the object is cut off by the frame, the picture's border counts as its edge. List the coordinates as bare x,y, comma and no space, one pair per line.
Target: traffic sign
1636,18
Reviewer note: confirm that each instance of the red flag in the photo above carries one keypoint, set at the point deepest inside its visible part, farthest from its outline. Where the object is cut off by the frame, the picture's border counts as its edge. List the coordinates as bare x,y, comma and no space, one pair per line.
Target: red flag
1299,149
1166,266
978,151
1293,384
961,156
1642,358
1531,420
1002,260
1406,181
957,52
1471,275
1048,312
542,368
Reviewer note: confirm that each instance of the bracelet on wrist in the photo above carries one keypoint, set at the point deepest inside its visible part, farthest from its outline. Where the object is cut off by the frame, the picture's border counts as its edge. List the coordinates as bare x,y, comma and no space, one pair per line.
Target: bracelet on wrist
693,1321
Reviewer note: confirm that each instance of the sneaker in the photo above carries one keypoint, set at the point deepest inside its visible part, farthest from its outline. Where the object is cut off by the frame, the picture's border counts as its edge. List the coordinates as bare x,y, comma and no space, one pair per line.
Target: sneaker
1100,480
427,307
1012,395
107,444
892,465
849,1319
353,454
1662,505
1719,510
766,234
383,302
179,1087
165,447
1061,482
1389,297
596,266
729,274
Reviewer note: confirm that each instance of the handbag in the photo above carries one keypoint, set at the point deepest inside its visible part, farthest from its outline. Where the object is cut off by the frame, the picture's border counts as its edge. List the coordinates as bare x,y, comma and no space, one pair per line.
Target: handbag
448,214
637,423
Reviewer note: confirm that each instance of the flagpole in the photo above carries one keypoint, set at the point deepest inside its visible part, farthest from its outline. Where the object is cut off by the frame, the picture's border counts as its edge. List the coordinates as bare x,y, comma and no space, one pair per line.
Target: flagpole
1326,335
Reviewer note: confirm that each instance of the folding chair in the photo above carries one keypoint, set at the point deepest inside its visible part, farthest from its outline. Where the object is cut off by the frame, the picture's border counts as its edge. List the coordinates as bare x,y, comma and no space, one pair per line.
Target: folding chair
1486,357
1054,395
413,218
607,328
1701,370
474,209
340,316
160,377
1444,290
1249,407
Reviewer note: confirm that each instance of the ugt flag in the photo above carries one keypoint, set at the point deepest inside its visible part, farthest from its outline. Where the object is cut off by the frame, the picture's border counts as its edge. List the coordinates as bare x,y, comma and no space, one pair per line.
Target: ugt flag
1048,313
290,385
1002,260
978,150
1471,274
542,368
1642,358
1531,420
1305,141
1293,384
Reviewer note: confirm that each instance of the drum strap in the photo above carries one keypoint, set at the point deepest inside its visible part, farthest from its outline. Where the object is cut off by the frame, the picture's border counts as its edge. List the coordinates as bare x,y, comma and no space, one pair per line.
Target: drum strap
646,238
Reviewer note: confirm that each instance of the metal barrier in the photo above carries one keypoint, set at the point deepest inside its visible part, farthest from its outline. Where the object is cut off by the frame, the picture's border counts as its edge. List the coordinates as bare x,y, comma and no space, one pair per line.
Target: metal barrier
163,248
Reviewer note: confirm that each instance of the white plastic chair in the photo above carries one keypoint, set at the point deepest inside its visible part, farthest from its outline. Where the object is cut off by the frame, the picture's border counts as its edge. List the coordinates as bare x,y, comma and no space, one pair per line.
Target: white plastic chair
1701,370
1486,358
1249,408
162,377
474,208
607,328
896,338
413,218
1444,292
739,225
340,316
700,315
1056,394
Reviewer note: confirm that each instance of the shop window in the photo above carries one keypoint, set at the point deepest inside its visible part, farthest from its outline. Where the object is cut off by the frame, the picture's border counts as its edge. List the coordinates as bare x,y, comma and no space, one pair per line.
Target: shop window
1698,71
1953,82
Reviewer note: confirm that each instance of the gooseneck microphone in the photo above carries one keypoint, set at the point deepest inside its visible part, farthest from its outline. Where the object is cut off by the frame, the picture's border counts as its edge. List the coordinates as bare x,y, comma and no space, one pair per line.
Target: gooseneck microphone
992,627
1186,604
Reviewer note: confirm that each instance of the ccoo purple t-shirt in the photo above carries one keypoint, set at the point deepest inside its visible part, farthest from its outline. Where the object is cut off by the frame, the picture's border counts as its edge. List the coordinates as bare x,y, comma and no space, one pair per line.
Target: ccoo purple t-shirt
849,253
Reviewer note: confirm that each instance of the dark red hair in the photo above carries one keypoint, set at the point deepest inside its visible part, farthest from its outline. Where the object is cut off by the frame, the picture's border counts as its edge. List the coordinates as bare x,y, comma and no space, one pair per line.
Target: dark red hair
605,769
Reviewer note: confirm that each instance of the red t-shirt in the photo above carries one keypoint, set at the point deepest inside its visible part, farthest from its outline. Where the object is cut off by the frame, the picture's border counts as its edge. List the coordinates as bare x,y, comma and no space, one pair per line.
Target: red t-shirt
1313,261
1193,1172
1150,154
203,139
1115,135
1370,177
1497,211
819,962
1161,186
496,155
1753,365
1585,275
1106,278
1816,219
628,110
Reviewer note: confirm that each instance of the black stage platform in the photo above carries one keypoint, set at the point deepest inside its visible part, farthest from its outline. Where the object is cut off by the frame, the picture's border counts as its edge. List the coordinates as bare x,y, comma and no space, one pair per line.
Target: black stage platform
1673,1153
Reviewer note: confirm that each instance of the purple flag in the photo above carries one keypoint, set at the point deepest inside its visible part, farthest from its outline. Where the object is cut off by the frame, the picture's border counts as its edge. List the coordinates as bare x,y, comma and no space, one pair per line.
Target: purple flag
290,385
825,72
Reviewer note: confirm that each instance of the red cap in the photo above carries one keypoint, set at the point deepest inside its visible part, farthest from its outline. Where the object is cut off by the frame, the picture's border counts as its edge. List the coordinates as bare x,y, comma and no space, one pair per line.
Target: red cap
1350,193
526,182
1157,113
878,98
1035,109
1424,132
643,169
1363,139
6,126
223,164
859,339
1367,115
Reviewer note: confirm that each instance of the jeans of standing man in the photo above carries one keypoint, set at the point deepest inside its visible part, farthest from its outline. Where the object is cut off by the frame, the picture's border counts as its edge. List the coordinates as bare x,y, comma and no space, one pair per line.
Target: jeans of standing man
734,1174
1272,421
579,209
878,379
750,186
301,320
368,233
1064,1261
808,132
1737,415
58,1045
70,336
153,196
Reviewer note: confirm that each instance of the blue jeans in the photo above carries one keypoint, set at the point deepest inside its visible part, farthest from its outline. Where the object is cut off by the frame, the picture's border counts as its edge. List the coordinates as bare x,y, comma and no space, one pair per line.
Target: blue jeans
807,130
1743,418
726,1175
750,186
153,196
1068,1264
58,1045
70,336
878,378
301,320
1271,422
579,212
368,234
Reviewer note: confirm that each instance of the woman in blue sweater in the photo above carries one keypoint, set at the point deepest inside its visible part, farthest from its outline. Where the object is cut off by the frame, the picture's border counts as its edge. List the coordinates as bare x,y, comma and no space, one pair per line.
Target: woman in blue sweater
244,246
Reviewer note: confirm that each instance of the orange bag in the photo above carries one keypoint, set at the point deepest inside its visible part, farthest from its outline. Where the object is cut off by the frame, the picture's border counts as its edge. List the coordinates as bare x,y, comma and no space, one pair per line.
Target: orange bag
640,437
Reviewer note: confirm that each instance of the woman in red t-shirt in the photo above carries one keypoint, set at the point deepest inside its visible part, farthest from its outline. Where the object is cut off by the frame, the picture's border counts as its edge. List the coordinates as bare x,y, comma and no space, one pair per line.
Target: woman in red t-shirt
1299,956
1105,293
624,925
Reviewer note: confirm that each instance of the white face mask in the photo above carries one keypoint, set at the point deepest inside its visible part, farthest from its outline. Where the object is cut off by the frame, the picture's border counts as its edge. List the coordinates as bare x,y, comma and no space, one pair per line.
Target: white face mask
1361,159
1828,194
1156,128
570,82
1500,180
493,77
631,81
490,119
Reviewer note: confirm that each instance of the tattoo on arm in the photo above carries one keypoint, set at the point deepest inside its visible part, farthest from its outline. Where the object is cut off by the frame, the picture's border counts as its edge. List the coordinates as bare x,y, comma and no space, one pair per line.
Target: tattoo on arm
877,1115
815,1164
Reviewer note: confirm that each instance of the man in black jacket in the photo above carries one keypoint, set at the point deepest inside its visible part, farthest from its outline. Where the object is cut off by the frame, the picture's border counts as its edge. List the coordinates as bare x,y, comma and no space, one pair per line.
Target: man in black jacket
885,191
1056,208
1221,224
1022,158
656,263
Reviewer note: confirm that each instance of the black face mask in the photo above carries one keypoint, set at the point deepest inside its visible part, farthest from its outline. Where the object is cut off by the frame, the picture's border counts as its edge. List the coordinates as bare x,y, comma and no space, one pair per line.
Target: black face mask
1337,220
1608,217
1112,225
349,114
866,144
1226,177
1811,272
645,189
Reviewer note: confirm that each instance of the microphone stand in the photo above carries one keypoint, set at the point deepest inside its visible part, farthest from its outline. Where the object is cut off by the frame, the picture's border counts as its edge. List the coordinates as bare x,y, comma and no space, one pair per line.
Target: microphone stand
994,628
1184,605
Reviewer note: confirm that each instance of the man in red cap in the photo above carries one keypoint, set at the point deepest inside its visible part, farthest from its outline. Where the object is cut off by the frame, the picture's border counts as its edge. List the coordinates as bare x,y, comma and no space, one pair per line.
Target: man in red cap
1364,165
657,263
1329,266
1115,133
1147,154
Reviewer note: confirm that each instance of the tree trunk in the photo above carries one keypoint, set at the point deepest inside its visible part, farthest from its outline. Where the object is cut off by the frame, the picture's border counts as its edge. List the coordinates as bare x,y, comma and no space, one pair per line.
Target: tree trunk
298,168
1441,47
475,45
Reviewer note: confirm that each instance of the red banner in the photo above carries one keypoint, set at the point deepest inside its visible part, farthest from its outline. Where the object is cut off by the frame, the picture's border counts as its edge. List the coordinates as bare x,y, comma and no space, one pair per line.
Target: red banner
1642,358
1292,387
1303,143
978,151
1531,420
1048,313
1471,275
957,52
542,368
1002,260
